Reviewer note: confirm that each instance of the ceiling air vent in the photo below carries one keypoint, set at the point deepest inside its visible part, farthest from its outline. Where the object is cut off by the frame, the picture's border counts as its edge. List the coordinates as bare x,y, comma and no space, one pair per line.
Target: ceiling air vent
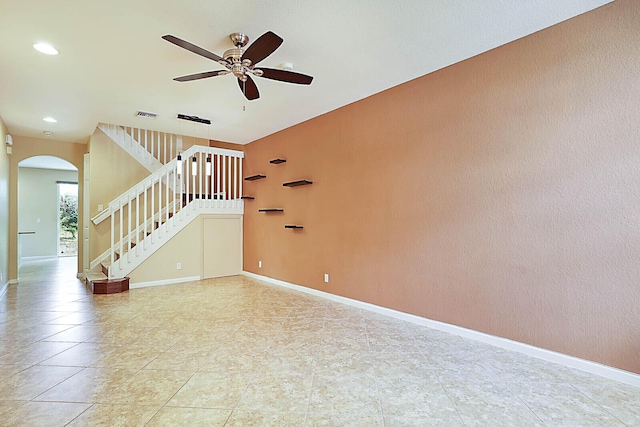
145,115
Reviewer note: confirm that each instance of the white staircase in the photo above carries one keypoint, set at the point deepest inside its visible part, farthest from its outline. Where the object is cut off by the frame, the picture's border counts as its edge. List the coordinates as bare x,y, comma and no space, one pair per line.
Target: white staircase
205,181
151,149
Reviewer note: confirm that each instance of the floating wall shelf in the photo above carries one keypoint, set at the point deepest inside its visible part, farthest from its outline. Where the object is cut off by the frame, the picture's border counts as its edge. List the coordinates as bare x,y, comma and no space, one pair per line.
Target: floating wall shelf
271,210
297,183
247,197
277,161
254,177
295,227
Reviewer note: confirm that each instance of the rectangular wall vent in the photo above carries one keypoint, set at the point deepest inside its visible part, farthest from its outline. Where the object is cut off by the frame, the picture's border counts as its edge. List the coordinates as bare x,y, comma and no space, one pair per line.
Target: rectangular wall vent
145,115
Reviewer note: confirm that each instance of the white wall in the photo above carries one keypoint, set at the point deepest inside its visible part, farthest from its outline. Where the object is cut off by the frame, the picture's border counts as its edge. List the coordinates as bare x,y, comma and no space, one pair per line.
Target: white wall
38,199
4,210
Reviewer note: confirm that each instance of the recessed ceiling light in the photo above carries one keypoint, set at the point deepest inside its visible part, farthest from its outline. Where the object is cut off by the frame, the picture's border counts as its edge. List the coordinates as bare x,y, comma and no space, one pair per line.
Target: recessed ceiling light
50,120
46,48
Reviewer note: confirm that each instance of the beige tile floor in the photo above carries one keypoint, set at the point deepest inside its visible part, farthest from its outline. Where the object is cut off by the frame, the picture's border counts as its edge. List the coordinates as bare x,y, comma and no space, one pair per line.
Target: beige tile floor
237,352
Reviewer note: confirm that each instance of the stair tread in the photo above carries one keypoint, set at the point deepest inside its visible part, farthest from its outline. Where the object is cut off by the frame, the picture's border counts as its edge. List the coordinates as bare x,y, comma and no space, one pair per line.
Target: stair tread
96,276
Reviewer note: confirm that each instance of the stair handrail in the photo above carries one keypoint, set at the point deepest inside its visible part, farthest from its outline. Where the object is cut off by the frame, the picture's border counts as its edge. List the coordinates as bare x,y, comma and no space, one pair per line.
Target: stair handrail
106,213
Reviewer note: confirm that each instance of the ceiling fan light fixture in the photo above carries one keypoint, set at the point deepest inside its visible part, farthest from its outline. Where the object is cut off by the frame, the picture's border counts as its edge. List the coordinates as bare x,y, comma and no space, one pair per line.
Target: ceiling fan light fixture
45,48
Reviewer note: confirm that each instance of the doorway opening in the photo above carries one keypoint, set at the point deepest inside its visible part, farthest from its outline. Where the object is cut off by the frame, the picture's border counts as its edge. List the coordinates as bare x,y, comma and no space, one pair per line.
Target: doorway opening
67,218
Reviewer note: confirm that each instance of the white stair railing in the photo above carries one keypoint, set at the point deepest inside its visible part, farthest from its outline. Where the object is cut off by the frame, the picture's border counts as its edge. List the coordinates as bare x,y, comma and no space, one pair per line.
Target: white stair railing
151,149
206,180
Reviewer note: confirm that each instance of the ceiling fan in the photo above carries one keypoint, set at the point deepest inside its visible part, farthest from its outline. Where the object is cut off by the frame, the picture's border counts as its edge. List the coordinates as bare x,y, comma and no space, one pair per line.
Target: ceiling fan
242,62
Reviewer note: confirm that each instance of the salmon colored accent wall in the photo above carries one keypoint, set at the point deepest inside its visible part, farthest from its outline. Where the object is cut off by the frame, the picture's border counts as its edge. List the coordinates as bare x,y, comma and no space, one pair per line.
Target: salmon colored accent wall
226,145
500,194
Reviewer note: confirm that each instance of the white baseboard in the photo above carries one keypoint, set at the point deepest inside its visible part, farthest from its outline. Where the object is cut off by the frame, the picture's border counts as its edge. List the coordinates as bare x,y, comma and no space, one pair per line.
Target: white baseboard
35,258
537,352
14,281
164,282
4,290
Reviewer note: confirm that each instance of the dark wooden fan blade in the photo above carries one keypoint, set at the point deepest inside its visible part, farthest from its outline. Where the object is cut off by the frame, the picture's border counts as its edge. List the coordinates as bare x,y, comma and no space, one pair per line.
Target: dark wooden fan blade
199,76
192,47
286,76
249,89
264,46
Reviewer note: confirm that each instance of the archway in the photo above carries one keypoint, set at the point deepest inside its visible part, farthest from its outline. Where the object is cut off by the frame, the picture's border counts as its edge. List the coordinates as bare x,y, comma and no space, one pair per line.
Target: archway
40,224
24,148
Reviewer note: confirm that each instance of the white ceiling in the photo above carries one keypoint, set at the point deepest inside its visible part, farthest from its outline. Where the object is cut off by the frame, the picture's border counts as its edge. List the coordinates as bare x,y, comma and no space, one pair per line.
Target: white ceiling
47,162
113,62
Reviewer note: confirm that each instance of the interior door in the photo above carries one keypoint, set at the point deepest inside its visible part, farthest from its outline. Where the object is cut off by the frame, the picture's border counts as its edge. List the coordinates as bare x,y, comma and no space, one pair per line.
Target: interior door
222,247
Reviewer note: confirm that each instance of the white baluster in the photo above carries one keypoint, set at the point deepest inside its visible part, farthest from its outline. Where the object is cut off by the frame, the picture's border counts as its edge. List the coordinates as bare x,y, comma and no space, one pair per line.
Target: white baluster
144,219
224,180
129,228
193,181
166,198
235,178
121,239
210,180
137,221
200,174
219,182
153,206
186,173
112,256
175,191
240,180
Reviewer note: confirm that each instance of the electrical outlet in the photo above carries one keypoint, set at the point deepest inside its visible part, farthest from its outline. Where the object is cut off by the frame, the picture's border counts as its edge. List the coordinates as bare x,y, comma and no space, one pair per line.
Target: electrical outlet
179,266
259,264
326,277
100,208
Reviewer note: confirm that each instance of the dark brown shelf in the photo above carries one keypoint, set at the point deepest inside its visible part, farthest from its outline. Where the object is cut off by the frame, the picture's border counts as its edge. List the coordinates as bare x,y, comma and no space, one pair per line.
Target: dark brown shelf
254,177
297,183
294,227
277,161
247,197
271,210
